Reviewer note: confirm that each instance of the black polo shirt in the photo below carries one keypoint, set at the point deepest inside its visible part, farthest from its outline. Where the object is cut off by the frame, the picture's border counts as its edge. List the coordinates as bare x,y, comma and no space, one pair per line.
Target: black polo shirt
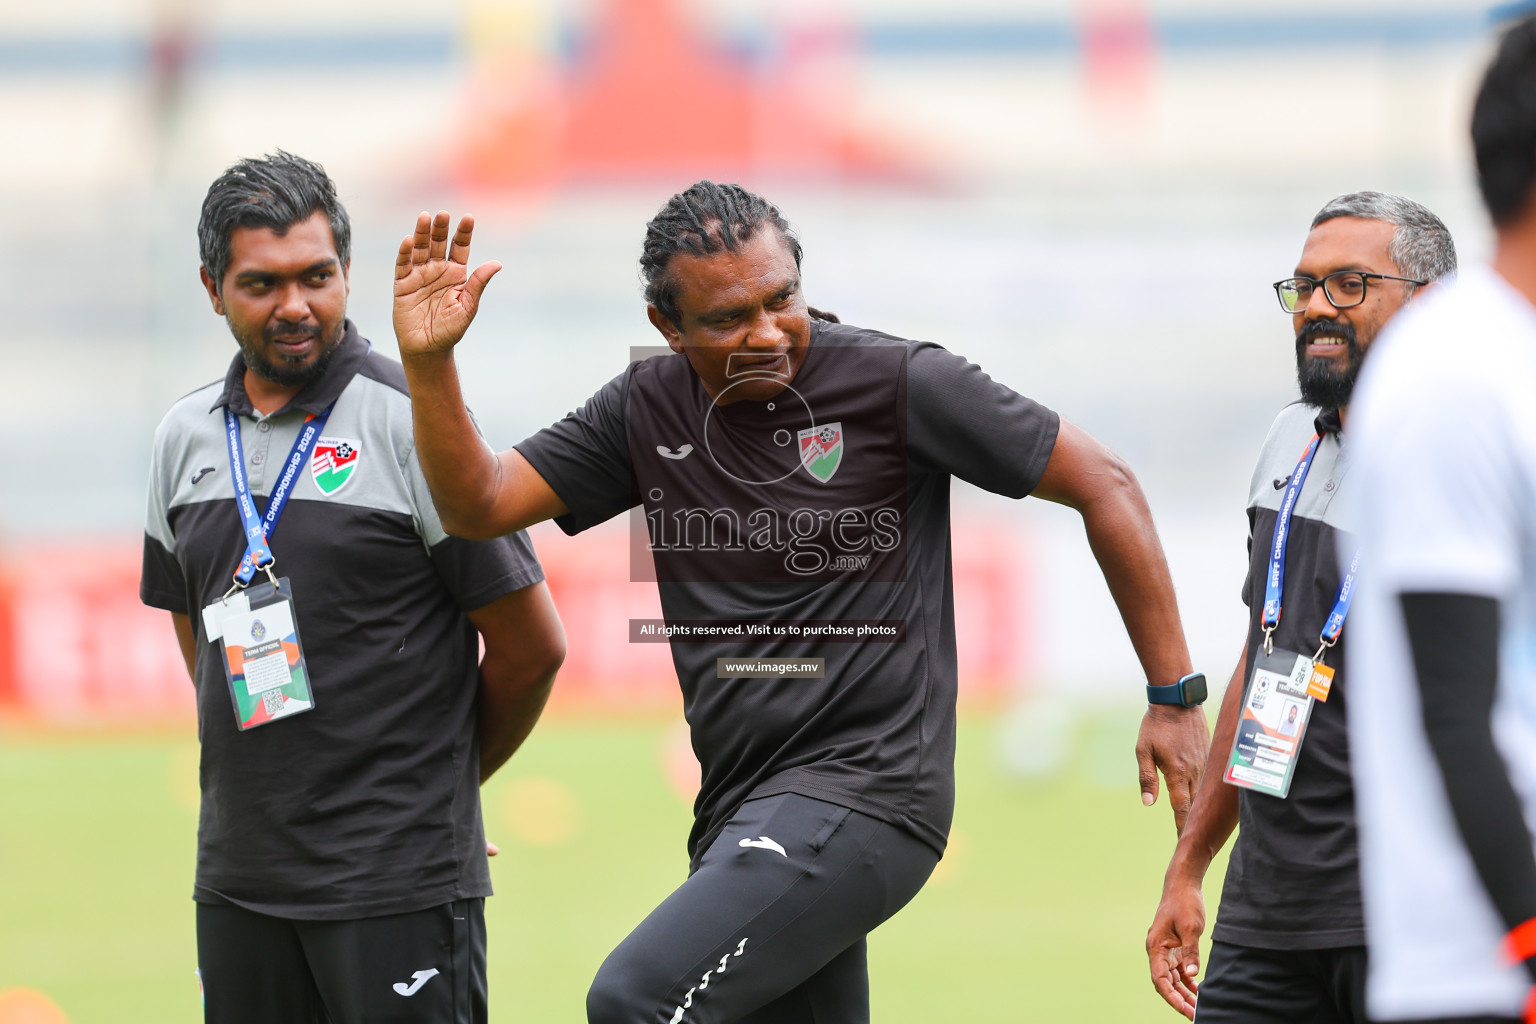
368,804
1293,880
828,504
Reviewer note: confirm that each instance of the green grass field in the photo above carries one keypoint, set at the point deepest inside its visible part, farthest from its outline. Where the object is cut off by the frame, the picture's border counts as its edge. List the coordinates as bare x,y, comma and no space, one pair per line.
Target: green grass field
1038,912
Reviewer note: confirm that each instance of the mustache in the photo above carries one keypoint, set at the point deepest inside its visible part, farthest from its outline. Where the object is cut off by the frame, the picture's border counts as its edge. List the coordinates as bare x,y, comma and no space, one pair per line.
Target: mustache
290,332
1313,329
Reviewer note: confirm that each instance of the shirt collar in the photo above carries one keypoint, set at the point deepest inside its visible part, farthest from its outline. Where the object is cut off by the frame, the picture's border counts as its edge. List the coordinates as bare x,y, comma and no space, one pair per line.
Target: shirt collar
1328,422
317,394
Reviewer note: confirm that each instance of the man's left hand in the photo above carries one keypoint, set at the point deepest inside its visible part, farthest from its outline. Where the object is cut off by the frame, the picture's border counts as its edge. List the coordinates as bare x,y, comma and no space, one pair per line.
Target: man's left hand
1173,943
436,295
1175,741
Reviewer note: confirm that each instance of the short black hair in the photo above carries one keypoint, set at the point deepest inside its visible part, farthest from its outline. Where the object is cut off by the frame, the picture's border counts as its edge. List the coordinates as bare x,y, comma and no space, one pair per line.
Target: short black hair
1504,124
274,191
702,219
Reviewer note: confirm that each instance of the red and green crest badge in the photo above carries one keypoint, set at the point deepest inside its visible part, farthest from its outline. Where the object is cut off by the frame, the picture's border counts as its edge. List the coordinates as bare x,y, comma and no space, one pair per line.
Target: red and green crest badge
334,463
821,450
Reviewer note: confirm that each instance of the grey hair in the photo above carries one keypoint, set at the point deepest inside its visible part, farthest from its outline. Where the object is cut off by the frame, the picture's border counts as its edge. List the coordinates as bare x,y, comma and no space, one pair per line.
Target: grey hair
1421,244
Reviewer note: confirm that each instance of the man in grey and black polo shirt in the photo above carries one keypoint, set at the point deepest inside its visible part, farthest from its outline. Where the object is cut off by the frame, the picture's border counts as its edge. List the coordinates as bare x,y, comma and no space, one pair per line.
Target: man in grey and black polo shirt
341,868
1289,939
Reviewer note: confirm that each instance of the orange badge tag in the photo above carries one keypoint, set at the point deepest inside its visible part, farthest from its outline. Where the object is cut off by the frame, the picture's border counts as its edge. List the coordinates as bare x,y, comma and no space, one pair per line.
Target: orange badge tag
1321,682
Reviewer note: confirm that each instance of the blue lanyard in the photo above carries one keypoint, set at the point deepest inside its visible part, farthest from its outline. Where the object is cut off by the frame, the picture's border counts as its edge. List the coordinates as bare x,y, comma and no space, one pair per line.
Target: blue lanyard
1274,583
1335,624
258,554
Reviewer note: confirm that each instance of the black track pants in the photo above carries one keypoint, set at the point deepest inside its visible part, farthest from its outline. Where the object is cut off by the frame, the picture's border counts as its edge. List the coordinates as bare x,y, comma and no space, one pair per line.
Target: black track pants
770,929
426,967
1246,985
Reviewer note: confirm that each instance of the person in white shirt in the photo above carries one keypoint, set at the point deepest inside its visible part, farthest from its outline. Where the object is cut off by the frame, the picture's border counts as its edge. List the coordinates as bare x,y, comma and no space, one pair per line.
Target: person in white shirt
1443,724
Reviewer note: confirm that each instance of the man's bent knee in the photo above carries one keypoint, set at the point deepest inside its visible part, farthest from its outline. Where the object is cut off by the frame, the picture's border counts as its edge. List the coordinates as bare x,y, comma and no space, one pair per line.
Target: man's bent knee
617,995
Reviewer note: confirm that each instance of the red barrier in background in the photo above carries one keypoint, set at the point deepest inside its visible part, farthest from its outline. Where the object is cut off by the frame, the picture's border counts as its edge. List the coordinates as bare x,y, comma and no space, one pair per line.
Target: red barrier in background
77,646
8,696
630,108
81,647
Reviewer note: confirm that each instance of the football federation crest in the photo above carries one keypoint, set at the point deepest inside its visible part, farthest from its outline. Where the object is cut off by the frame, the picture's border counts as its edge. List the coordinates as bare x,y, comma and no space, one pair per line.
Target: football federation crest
258,631
334,463
821,450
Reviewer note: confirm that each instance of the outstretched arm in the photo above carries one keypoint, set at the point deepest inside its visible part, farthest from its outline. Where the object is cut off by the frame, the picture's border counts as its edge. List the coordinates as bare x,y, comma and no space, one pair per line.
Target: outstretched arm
1090,478
479,493
1173,941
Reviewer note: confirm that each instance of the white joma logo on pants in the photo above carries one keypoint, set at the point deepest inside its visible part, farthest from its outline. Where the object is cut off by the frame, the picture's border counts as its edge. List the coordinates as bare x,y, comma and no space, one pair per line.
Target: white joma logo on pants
763,843
704,981
420,979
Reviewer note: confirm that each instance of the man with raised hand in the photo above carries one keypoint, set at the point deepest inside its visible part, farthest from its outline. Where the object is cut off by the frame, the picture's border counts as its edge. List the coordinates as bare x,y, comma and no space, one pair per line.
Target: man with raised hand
793,474
1289,940
1445,658
331,629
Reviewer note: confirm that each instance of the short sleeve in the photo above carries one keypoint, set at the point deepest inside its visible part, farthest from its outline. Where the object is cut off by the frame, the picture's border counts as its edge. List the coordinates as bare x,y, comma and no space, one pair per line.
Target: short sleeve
1445,502
962,422
475,572
585,458
162,584
1254,483
1248,579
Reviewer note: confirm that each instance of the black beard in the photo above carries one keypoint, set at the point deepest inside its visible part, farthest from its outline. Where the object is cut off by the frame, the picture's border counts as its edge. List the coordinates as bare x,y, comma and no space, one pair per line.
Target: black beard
1322,383
289,376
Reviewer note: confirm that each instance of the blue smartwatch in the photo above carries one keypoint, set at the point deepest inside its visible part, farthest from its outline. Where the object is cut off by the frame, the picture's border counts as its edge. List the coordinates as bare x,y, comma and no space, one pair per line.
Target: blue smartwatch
1187,692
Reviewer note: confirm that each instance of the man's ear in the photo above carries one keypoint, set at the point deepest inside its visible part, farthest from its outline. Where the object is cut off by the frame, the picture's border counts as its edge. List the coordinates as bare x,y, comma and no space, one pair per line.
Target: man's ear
668,329
1425,289
212,289
346,276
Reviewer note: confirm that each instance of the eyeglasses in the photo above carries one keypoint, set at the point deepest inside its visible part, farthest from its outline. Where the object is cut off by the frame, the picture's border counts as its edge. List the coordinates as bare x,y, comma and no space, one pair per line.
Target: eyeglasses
1344,289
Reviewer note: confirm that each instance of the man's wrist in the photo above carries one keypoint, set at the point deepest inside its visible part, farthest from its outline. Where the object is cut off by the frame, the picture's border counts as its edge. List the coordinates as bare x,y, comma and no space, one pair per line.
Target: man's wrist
1188,866
1189,691
427,359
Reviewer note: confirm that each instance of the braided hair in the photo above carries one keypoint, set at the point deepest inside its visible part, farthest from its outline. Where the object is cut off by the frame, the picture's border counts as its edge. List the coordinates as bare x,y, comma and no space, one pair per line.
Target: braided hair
701,220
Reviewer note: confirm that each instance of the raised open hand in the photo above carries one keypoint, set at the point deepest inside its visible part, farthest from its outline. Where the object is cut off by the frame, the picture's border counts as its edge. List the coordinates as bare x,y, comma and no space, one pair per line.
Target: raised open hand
436,296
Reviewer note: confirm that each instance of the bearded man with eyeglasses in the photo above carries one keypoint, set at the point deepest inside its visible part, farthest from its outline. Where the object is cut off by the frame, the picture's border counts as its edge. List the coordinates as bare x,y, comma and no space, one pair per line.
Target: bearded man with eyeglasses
1289,939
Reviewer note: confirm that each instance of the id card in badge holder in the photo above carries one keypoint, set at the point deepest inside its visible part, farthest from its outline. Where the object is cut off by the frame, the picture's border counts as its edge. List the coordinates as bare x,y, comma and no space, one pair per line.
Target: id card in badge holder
1276,708
263,657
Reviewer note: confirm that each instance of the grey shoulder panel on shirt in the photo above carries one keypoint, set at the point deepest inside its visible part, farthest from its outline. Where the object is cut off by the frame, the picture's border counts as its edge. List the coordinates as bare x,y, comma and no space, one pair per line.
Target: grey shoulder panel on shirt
216,383
1288,436
1323,497
188,451
373,414
186,415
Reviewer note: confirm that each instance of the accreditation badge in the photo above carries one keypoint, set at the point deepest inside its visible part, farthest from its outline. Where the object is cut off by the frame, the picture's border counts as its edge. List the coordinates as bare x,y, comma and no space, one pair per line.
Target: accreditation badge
1276,707
263,657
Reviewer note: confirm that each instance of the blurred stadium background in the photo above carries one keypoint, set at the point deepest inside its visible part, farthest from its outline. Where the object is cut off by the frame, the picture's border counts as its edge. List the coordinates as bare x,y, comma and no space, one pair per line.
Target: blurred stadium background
1086,197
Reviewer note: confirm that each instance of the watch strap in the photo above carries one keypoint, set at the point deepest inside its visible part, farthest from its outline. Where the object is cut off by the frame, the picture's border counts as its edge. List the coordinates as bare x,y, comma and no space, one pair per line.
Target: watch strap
1174,693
